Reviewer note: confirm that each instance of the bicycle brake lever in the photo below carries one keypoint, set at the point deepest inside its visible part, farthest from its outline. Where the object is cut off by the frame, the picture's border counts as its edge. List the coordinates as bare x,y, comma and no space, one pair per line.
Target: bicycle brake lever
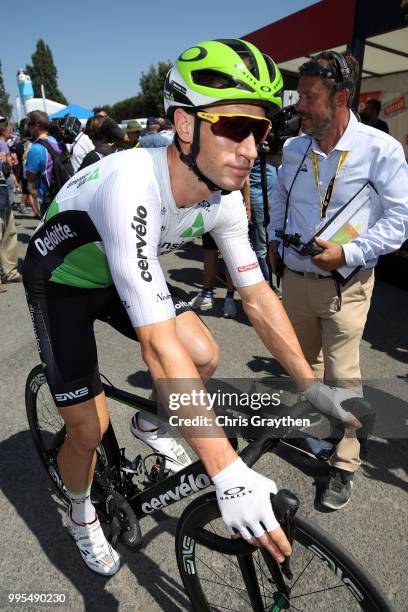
285,504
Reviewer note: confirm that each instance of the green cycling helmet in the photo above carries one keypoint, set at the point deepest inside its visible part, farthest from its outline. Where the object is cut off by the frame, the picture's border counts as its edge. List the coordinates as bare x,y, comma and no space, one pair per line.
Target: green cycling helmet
222,71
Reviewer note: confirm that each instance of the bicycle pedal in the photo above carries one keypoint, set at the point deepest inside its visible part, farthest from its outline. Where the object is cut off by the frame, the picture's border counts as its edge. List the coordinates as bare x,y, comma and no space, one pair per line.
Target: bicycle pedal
132,467
157,469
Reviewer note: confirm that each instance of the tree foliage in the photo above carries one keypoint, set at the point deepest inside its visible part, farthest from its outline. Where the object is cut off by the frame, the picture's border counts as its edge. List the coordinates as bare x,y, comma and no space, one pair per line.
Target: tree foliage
151,85
44,72
148,102
130,108
5,106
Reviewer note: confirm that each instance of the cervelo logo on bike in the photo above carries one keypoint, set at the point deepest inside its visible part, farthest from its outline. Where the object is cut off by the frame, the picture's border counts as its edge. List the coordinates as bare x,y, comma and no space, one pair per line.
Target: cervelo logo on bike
139,225
64,397
184,489
53,237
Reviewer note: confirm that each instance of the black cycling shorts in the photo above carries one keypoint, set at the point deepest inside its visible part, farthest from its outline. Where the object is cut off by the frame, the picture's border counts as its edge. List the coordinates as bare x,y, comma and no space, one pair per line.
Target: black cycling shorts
209,242
63,318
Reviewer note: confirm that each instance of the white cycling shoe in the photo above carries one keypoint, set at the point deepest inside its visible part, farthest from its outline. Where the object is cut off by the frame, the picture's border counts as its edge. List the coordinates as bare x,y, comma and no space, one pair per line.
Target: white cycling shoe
162,443
95,550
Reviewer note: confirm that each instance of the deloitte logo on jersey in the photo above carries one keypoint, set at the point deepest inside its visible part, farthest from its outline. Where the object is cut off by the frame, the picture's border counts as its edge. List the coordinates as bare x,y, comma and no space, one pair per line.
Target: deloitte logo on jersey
196,229
53,237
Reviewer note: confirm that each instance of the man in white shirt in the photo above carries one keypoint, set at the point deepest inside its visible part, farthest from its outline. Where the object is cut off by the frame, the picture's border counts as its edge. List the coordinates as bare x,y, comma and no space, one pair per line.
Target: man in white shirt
321,171
81,146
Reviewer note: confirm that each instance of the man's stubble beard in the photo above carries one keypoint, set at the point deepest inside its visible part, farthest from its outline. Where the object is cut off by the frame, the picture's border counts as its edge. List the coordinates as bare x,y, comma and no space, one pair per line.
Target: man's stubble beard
317,131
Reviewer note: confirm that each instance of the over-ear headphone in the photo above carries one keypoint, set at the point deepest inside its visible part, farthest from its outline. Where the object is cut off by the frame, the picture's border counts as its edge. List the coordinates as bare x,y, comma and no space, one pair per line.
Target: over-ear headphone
343,79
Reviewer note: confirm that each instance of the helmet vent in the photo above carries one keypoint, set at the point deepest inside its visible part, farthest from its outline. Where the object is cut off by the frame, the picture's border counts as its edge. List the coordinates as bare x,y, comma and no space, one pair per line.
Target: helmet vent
270,66
217,80
244,52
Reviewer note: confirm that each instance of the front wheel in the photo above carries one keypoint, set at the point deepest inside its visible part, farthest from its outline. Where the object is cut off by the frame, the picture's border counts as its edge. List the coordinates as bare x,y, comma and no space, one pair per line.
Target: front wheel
325,576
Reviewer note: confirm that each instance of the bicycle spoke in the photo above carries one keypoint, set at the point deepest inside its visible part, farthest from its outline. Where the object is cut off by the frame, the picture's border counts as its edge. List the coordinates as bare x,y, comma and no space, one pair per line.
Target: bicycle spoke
262,579
223,607
339,586
303,571
223,581
264,575
227,557
232,587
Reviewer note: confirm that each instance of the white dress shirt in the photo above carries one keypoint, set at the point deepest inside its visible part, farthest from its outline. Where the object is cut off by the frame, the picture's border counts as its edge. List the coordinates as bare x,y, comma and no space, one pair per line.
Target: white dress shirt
82,146
373,156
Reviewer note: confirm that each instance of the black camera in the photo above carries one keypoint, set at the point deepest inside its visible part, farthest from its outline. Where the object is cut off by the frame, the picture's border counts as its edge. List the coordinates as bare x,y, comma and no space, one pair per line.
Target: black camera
285,124
65,129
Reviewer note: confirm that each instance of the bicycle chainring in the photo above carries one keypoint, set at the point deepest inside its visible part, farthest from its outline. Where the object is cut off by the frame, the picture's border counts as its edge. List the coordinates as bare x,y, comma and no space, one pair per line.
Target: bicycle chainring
123,521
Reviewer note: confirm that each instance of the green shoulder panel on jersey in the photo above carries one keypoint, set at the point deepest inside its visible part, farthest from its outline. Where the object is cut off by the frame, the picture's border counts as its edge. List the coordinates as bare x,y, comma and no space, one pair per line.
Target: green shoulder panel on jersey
52,210
85,267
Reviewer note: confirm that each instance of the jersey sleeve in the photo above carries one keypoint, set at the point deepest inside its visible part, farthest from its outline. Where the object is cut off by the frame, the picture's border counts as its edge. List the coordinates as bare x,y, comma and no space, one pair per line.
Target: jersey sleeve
126,212
231,235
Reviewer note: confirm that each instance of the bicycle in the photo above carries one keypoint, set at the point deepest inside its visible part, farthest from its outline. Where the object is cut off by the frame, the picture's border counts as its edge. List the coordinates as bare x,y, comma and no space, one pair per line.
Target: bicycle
217,572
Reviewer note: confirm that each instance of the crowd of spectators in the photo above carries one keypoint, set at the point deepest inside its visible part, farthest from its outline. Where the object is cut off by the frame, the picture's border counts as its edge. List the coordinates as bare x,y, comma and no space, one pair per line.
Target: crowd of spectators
26,166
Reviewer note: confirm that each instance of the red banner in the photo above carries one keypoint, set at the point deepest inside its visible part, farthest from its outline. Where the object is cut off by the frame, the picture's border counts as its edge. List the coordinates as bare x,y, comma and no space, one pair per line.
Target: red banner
395,107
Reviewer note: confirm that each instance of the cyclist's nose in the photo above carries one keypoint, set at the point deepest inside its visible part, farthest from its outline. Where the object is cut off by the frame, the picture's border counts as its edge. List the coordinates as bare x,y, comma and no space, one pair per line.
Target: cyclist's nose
248,147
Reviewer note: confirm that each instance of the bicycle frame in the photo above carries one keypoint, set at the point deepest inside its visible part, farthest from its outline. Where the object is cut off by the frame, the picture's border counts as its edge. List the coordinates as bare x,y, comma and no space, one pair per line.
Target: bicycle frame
170,490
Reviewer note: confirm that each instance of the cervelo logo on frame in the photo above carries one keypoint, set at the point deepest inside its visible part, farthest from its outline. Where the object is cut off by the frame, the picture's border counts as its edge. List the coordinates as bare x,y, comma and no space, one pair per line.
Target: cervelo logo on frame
139,225
184,489
53,237
247,267
64,397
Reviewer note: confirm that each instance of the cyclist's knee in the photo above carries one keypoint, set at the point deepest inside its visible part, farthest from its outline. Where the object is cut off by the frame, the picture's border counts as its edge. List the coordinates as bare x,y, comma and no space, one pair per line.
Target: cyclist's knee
86,423
205,354
86,436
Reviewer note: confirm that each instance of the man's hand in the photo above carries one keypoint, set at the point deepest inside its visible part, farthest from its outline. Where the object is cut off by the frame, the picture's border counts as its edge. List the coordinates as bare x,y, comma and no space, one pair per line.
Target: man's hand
332,256
329,401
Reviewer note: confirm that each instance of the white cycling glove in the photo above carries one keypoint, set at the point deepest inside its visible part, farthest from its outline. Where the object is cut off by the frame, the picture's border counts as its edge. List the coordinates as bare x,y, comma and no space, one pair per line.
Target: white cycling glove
244,500
328,400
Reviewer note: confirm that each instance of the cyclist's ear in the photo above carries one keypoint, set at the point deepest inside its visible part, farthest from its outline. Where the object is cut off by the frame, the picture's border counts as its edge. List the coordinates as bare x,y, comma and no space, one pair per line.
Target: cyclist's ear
184,124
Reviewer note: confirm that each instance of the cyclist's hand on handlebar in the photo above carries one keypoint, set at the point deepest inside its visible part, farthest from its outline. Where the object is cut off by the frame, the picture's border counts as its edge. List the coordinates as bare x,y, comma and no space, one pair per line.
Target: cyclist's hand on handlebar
244,500
329,399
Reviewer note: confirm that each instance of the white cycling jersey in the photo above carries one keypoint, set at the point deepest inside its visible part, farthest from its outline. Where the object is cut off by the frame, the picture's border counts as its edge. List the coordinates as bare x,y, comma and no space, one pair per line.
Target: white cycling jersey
113,219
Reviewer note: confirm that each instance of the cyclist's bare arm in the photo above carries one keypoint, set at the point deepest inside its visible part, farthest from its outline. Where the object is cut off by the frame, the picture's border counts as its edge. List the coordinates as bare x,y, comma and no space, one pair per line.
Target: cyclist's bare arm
167,359
272,325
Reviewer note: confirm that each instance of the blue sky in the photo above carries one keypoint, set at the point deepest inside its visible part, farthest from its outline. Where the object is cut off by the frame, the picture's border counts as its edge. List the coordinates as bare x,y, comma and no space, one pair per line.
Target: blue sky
100,53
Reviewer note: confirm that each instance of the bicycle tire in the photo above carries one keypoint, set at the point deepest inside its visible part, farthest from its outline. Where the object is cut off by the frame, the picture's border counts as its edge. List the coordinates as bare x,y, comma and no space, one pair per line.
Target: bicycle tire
313,549
48,432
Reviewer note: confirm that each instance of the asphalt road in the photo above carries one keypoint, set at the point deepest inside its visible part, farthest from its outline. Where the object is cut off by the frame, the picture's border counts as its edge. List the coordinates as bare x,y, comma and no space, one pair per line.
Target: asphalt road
37,554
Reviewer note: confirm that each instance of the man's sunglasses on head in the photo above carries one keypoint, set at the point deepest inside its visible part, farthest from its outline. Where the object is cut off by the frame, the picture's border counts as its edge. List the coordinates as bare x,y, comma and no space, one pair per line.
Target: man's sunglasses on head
237,127
313,68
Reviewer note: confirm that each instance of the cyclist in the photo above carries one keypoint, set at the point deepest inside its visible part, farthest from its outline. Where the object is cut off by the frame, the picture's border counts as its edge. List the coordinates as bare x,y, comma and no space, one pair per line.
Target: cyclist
95,256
